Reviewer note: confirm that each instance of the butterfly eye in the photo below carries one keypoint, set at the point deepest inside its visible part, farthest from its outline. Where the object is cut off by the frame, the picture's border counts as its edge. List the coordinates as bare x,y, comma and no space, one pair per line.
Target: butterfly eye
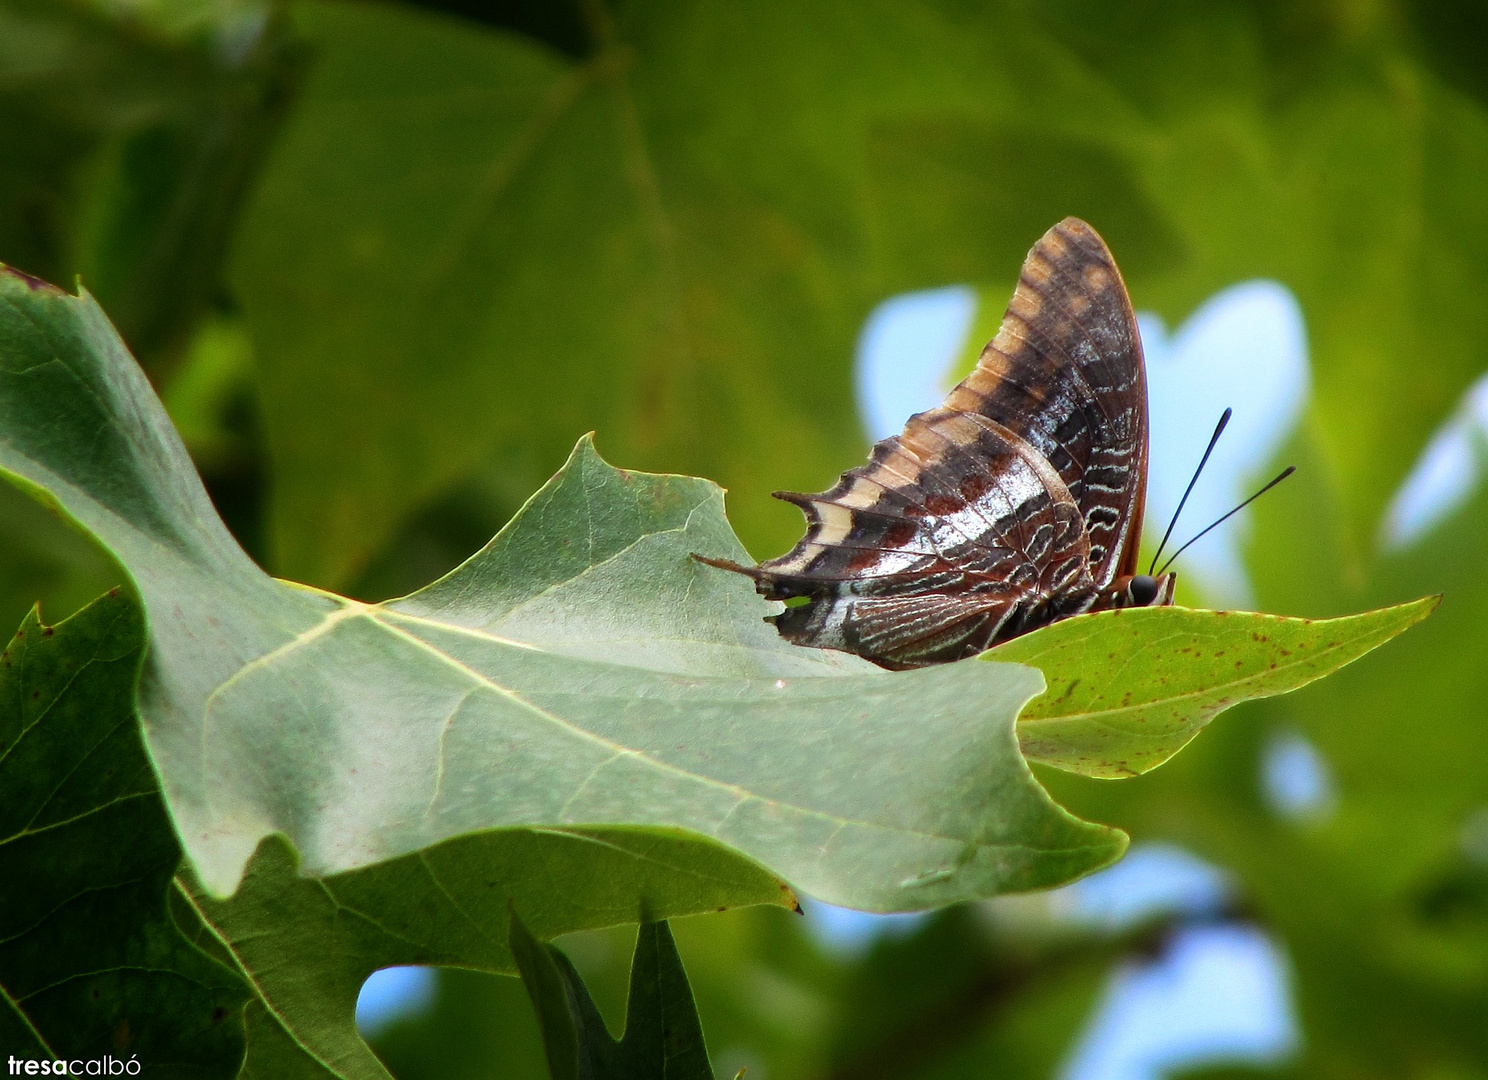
1142,589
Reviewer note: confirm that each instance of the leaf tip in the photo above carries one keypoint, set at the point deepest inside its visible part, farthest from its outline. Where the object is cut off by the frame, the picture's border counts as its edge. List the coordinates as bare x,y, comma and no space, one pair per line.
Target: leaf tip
1416,610
585,447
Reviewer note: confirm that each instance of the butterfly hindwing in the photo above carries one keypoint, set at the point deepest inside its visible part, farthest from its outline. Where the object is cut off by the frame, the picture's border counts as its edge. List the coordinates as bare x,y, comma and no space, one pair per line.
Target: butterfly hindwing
898,631
957,515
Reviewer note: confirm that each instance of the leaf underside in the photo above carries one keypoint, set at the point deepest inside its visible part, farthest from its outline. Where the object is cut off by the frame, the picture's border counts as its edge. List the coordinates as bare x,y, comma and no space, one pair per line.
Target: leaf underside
581,670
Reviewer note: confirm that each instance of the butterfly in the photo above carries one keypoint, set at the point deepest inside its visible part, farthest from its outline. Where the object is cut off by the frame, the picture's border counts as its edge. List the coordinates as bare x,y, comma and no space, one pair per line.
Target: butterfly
1015,503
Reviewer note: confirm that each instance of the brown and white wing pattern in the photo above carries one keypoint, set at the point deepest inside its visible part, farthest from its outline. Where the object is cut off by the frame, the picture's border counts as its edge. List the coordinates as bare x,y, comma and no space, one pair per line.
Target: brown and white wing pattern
1065,371
956,534
1013,504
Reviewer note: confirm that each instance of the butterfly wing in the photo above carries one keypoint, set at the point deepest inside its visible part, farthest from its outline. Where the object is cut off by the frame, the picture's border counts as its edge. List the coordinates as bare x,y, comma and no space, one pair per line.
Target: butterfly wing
1013,504
955,533
897,631
1065,372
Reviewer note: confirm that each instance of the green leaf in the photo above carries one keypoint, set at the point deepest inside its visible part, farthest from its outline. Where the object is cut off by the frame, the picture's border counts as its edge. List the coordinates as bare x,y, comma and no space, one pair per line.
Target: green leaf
581,670
88,854
663,1037
308,945
1129,689
91,962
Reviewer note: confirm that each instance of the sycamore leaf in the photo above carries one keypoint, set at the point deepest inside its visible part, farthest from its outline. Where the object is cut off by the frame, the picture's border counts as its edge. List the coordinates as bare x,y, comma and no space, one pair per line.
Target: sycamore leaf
581,670
663,1036
91,963
1129,689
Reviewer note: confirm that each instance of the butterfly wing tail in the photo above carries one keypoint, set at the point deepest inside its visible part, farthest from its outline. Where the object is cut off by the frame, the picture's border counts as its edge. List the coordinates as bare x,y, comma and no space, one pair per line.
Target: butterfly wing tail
728,564
768,583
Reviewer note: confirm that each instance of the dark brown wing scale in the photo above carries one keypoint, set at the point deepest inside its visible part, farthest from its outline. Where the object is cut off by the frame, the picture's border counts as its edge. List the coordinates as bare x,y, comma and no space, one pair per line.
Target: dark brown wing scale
1015,503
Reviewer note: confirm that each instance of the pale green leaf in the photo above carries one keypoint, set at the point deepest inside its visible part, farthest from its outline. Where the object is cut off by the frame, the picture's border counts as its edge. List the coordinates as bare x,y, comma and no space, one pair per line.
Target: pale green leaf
581,670
94,962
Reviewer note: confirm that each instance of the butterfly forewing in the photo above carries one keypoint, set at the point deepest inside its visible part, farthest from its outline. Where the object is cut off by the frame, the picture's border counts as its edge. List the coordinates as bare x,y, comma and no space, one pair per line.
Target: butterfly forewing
1065,371
1015,503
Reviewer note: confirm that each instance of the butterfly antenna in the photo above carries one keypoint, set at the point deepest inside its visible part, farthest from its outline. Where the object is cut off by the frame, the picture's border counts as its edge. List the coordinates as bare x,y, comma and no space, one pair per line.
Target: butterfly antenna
1218,429
1280,477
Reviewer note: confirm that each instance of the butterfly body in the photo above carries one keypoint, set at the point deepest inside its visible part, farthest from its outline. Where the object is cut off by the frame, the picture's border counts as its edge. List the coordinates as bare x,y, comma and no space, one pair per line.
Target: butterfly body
1015,503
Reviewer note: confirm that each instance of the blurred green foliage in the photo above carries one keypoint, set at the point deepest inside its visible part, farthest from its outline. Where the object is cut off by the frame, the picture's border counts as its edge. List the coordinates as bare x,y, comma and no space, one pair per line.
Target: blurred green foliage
94,963
386,264
662,1035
